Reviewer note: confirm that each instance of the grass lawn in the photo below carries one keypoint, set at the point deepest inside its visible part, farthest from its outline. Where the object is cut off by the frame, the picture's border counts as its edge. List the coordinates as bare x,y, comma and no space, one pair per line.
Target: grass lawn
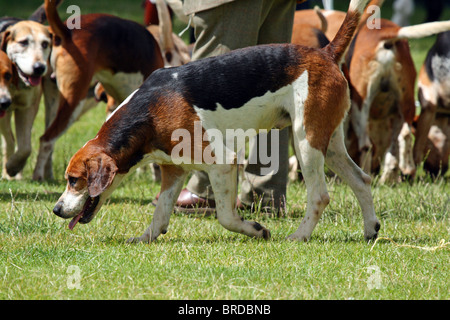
198,259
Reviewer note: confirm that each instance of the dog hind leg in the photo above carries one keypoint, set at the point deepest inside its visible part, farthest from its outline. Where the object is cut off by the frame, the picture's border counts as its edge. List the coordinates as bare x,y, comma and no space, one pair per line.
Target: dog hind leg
338,160
24,119
51,103
312,166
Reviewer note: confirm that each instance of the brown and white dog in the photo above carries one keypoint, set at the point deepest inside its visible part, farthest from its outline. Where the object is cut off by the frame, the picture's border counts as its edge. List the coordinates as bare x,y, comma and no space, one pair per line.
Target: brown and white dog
432,144
27,45
116,52
382,79
256,88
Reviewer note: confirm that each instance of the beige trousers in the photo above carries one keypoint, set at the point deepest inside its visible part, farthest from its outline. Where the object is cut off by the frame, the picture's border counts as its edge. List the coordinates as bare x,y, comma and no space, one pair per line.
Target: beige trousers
234,25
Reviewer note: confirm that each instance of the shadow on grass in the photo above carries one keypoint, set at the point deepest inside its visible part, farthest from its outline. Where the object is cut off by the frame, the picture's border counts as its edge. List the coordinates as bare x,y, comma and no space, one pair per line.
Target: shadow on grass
29,196
237,239
400,242
52,196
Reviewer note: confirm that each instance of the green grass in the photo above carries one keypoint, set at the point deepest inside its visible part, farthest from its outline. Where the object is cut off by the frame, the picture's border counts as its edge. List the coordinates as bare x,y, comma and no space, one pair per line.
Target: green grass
197,258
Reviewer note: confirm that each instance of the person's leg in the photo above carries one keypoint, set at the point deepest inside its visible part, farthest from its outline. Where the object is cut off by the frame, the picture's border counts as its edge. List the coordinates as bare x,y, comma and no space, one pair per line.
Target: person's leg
278,18
219,30
227,27
269,190
264,21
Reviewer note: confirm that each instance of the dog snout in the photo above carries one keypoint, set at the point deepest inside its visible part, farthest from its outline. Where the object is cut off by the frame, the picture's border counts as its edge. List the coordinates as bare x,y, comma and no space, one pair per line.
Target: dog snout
5,102
38,69
58,209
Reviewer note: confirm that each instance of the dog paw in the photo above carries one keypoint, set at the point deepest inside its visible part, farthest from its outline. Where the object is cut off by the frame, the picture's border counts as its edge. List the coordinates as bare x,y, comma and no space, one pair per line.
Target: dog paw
136,240
16,163
373,234
297,237
12,170
262,231
38,177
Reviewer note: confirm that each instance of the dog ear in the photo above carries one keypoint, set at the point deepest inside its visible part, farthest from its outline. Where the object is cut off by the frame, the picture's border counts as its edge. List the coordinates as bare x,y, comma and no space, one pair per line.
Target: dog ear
4,40
101,172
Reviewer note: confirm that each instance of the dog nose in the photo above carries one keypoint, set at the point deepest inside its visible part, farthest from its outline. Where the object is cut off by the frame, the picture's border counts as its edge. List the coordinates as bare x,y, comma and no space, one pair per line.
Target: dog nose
5,103
38,69
58,208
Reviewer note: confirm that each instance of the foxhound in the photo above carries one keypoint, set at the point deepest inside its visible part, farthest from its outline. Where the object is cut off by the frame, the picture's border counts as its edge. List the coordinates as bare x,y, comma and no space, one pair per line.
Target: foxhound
27,44
260,87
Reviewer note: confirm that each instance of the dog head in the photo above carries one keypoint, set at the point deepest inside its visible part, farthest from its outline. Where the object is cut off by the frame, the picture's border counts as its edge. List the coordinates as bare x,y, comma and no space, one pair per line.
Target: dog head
91,178
28,46
6,75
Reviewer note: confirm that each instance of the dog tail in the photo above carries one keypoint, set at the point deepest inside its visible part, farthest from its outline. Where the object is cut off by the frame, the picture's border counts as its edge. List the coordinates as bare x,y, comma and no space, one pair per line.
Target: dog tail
323,20
369,11
417,31
55,22
165,27
338,46
423,30
39,14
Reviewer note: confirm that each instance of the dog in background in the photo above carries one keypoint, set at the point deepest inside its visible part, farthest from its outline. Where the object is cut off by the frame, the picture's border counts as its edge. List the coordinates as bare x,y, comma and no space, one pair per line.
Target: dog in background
27,44
174,52
118,53
382,75
382,79
432,132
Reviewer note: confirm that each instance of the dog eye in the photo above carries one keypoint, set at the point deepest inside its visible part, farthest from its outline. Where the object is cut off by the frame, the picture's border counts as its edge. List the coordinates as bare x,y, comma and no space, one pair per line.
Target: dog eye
72,181
44,44
24,43
7,76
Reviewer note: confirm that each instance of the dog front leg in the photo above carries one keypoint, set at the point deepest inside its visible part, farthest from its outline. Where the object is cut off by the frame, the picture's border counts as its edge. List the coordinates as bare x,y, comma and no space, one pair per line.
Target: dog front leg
359,119
426,118
24,122
406,158
172,179
223,178
8,142
390,172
